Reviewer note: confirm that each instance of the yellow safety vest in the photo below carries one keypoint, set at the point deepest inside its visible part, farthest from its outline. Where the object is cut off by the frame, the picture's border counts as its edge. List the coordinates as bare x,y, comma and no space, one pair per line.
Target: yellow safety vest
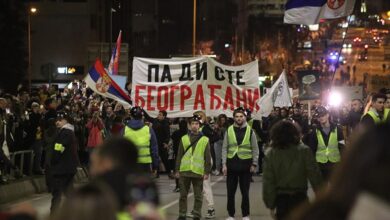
193,161
250,123
375,117
141,139
123,216
244,150
329,153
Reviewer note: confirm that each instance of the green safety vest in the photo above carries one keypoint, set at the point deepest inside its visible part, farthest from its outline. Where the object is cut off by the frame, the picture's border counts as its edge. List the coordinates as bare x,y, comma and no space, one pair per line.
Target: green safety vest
329,153
141,139
193,161
375,117
250,123
244,150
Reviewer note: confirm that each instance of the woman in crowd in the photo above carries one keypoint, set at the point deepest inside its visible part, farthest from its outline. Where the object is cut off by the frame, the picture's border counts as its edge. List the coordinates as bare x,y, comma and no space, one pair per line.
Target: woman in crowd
219,130
288,165
95,126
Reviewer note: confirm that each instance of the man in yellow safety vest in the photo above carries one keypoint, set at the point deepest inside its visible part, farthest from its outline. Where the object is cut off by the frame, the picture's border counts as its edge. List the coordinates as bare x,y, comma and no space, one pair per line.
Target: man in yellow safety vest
326,141
239,159
144,138
193,163
378,113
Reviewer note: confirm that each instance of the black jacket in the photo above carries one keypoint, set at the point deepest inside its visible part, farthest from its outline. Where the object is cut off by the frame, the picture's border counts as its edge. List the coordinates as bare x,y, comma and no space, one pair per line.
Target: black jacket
64,162
161,128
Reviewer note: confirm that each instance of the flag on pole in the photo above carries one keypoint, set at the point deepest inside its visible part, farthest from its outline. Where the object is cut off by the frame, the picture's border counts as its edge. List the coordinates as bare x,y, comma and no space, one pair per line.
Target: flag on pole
311,11
278,96
100,82
113,66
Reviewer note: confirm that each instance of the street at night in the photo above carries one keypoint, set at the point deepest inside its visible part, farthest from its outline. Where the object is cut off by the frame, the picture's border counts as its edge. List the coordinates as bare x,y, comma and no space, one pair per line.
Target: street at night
194,109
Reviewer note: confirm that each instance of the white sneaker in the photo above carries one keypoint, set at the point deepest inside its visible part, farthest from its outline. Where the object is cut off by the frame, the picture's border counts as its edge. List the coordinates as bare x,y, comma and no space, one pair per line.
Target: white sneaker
246,218
215,172
230,218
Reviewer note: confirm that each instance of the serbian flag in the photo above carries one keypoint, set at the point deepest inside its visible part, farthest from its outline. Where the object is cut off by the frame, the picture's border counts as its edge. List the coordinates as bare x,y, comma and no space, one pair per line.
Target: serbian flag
113,66
312,11
100,82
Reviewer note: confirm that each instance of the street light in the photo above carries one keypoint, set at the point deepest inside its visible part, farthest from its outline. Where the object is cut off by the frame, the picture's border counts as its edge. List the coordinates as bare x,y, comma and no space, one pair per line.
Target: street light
194,29
32,11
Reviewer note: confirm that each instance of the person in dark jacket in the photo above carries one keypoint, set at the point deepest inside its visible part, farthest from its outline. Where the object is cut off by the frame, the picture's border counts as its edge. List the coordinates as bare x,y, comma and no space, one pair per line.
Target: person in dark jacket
288,165
51,111
176,138
326,141
161,128
144,138
35,136
6,140
64,160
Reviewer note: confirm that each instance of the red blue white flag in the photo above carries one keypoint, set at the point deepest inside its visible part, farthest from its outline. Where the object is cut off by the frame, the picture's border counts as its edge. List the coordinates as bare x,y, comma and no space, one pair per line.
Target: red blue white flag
100,82
312,11
113,66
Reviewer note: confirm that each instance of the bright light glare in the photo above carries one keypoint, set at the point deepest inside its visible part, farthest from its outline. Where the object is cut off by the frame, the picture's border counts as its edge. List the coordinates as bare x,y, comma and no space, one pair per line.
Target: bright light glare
61,70
335,99
33,10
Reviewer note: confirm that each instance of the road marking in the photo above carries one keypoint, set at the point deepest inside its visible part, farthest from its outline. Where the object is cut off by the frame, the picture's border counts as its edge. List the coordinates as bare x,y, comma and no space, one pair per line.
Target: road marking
189,195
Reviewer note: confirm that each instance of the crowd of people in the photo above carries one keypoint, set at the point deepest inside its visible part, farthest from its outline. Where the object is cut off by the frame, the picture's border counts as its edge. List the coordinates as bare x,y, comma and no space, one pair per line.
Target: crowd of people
125,150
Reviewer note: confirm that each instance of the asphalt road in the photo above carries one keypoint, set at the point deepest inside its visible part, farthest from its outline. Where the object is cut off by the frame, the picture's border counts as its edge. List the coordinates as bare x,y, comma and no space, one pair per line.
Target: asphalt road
169,200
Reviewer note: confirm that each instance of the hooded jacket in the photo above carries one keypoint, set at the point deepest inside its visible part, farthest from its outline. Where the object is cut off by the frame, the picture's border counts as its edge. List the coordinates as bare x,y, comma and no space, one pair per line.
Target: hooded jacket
138,124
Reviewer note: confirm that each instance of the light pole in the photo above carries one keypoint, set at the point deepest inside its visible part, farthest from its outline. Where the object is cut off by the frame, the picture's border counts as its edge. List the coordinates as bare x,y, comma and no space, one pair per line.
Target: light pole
31,11
194,30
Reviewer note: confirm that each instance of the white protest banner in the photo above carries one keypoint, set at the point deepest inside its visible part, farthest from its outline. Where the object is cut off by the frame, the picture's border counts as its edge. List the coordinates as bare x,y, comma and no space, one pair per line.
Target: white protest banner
183,86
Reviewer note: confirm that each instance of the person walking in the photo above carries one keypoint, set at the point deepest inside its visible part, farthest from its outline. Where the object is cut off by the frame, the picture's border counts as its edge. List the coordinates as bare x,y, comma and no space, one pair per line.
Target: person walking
193,165
240,155
326,141
144,138
288,164
64,160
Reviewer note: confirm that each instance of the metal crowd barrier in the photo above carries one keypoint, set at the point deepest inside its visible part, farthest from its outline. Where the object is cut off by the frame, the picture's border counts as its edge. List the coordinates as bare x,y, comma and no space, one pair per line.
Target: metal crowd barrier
22,155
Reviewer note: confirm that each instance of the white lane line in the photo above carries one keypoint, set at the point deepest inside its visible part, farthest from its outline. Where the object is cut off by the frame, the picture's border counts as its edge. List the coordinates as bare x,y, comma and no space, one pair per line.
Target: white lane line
189,195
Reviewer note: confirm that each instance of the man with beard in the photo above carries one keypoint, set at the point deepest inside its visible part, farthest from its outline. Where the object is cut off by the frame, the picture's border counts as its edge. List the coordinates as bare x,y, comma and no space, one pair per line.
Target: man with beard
239,158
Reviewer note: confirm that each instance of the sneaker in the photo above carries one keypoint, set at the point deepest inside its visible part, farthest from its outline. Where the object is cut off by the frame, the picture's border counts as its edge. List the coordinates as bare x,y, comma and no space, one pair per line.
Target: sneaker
246,218
230,218
215,172
190,214
176,190
210,214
